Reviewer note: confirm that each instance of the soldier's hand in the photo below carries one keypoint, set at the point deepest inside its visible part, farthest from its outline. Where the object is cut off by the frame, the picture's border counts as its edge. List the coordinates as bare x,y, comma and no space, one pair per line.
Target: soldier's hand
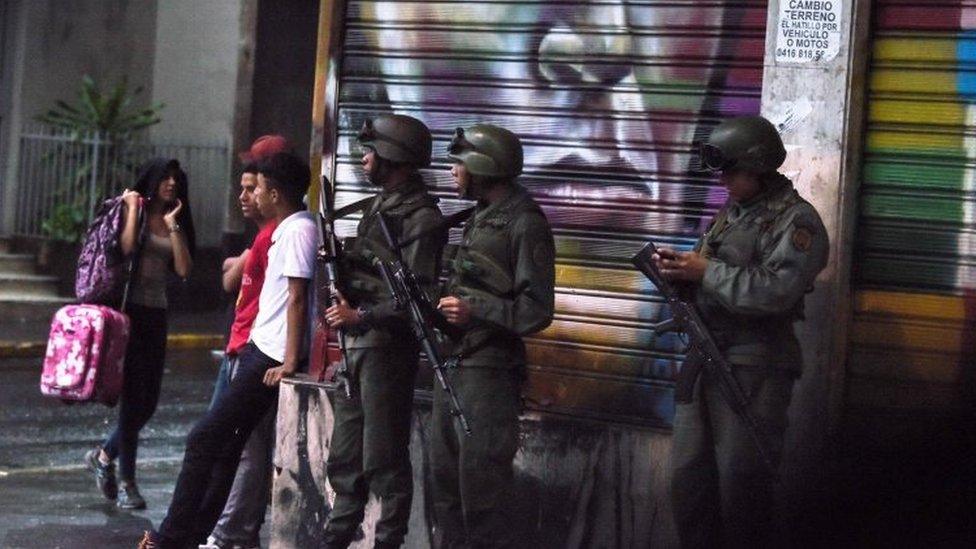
687,266
342,315
456,310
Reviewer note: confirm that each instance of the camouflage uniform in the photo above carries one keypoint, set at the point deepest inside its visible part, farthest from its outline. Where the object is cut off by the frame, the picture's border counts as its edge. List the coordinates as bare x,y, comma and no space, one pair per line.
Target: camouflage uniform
505,270
370,439
763,256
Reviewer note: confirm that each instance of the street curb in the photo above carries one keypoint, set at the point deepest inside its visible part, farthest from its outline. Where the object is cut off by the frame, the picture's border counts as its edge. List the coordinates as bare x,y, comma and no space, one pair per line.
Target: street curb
34,349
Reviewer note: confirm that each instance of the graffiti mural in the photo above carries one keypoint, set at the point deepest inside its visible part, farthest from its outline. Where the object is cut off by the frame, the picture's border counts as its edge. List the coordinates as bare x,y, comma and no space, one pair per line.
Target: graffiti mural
914,333
608,98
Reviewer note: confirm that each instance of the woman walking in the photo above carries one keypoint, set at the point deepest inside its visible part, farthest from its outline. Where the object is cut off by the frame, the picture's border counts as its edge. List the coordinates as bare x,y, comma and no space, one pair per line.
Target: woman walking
165,242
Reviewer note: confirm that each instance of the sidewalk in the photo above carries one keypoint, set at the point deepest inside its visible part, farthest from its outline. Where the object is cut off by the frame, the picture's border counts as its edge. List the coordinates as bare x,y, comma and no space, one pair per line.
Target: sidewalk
187,330
49,498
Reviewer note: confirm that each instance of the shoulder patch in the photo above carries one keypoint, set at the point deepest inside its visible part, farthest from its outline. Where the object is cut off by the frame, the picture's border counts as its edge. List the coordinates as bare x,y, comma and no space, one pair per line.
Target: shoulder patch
802,238
542,255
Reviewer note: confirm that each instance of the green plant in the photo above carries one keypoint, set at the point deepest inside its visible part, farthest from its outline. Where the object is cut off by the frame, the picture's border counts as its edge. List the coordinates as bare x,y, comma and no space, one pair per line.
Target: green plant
66,223
106,124
110,113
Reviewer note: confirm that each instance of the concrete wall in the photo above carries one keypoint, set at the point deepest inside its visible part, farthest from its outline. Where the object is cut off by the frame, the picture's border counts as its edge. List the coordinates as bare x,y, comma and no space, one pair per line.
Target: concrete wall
195,72
50,44
818,103
107,39
577,484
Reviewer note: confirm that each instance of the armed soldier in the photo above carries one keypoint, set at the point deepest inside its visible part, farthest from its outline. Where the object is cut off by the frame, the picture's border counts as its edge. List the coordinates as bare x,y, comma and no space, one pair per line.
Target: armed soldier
370,438
500,288
749,273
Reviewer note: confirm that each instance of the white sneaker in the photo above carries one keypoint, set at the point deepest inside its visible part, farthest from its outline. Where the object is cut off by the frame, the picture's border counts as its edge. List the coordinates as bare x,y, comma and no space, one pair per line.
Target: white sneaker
211,544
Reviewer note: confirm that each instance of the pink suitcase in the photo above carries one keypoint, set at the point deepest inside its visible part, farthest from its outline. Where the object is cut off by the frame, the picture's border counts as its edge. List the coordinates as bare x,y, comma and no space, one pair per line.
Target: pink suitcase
85,353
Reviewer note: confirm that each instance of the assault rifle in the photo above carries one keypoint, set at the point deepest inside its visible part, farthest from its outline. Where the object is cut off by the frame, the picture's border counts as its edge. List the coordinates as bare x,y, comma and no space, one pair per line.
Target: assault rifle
328,256
407,293
702,352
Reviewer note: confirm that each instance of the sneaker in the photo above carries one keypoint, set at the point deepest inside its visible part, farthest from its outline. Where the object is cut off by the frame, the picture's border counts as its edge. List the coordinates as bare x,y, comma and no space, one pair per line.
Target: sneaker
129,497
150,540
104,474
213,542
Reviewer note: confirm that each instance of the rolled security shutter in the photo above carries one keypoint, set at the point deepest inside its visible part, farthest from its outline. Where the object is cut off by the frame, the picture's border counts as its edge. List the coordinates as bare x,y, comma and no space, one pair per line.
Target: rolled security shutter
607,98
913,335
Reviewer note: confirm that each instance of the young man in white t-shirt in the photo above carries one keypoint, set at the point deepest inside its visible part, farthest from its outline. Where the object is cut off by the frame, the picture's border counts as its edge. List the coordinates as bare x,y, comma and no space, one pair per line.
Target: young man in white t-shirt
277,346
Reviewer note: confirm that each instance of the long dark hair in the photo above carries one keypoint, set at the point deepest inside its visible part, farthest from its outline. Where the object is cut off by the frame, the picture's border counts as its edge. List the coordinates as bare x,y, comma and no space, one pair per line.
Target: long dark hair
154,172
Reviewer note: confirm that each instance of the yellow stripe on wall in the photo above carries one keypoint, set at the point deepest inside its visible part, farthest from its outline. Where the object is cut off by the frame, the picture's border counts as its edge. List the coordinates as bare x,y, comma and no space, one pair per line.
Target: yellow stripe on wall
915,49
902,334
913,81
903,304
888,111
915,142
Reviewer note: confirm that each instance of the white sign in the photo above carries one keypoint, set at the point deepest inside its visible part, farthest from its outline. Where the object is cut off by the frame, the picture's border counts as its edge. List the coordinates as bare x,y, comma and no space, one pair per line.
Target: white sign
808,31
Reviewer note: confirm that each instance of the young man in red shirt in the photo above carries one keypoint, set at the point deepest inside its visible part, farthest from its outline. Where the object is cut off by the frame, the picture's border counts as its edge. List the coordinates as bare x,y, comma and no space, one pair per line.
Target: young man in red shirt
243,515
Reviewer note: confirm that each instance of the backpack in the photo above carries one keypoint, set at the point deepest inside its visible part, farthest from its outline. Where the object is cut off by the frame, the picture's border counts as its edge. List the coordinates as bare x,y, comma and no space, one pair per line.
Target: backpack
103,269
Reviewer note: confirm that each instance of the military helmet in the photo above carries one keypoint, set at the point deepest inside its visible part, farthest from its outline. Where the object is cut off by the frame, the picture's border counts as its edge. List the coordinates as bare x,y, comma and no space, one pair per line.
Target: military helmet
398,138
487,151
748,143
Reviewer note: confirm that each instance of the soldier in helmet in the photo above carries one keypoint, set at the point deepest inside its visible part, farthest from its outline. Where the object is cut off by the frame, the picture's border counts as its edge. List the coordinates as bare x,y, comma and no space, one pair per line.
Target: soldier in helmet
369,449
500,288
749,273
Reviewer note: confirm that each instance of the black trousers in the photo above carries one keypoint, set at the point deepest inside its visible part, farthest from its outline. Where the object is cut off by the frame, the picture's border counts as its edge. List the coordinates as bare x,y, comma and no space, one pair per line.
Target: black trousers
141,382
213,451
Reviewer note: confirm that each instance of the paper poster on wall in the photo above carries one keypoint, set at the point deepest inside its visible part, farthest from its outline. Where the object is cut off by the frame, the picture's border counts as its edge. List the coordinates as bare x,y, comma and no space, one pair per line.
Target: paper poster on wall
808,31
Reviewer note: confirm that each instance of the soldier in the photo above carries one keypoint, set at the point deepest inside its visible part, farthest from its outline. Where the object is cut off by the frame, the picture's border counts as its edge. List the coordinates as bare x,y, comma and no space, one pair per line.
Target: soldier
500,288
370,438
749,273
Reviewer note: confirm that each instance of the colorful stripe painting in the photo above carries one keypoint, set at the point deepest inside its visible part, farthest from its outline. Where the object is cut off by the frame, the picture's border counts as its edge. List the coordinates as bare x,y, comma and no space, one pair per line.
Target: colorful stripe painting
914,333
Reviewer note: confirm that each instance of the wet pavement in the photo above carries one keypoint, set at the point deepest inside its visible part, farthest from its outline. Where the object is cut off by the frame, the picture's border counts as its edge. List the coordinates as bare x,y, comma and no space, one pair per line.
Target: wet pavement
47,499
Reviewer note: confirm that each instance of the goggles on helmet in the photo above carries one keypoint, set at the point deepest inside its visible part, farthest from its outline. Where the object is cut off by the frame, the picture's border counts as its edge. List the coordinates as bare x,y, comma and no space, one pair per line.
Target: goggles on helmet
459,143
367,132
713,159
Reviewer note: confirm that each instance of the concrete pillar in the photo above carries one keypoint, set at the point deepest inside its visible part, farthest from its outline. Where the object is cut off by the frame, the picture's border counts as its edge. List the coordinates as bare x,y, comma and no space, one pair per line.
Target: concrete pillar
12,77
241,125
814,90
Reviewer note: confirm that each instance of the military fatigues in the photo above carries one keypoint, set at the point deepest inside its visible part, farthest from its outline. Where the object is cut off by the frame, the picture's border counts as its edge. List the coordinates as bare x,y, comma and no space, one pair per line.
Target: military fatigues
763,257
369,449
505,270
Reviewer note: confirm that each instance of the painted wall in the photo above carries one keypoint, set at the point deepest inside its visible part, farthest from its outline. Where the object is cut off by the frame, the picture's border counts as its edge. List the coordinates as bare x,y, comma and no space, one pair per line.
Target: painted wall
195,76
195,70
608,98
914,336
108,39
52,44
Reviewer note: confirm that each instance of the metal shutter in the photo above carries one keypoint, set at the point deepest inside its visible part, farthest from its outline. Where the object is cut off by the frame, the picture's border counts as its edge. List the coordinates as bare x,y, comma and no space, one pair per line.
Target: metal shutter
607,98
914,274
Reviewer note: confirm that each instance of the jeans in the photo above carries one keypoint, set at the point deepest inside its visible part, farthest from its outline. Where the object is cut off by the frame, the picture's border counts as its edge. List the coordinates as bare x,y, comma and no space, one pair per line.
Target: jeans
227,366
213,450
141,382
243,514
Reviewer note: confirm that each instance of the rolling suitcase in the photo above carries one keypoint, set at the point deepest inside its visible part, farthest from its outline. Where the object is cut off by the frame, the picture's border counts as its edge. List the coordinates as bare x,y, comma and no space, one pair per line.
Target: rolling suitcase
85,354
